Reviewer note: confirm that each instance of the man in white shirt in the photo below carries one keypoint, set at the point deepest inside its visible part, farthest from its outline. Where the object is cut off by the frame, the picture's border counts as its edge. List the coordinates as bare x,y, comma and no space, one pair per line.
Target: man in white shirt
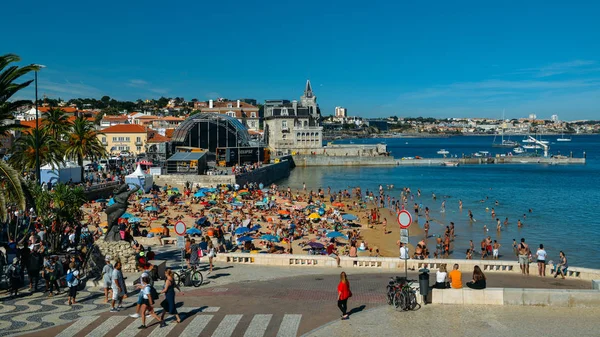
403,252
118,287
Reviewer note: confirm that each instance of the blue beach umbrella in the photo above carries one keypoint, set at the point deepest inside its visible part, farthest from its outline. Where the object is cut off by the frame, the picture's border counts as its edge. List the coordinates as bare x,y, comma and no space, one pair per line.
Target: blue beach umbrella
126,216
151,209
268,237
201,221
242,230
349,217
245,238
336,234
135,219
193,231
101,200
255,228
144,200
199,194
211,190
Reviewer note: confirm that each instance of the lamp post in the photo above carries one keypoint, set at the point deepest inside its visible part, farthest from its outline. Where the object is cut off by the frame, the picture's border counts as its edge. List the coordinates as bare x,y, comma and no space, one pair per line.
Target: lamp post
37,128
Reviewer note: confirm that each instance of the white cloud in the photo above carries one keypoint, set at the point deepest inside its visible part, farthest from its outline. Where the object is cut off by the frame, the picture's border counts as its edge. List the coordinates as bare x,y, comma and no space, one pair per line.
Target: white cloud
136,83
570,67
67,88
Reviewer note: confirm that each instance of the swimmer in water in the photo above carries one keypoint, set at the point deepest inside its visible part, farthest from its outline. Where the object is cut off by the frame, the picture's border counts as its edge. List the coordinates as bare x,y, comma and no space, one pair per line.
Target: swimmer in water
505,221
519,224
497,203
498,225
460,204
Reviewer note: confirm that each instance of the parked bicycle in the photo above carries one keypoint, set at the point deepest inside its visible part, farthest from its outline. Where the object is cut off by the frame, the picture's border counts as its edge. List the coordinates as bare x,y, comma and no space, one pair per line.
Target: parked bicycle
195,277
401,294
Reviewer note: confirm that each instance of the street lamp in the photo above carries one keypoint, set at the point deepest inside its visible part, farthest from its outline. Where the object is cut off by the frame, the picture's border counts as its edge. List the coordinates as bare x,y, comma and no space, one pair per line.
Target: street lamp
37,127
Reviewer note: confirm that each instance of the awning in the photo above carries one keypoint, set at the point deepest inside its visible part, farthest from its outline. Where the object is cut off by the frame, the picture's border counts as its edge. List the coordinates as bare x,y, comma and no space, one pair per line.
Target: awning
186,156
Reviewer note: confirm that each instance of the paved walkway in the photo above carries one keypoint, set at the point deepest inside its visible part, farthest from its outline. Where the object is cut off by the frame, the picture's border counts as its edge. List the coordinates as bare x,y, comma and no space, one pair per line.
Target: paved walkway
467,321
236,300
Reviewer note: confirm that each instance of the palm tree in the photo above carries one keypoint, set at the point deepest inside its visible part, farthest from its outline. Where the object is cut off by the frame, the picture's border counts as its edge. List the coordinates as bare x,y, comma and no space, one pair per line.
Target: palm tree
57,123
23,151
11,184
83,142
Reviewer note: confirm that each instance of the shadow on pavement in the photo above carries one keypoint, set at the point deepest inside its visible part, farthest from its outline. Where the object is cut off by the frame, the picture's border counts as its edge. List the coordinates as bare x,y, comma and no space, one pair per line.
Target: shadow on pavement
215,276
357,310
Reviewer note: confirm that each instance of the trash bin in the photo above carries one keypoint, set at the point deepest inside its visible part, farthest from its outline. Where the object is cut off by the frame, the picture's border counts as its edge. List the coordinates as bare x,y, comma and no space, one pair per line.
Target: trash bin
424,283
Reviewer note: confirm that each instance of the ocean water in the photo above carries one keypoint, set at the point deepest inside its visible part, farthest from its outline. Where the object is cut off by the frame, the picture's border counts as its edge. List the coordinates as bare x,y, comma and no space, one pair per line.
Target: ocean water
564,199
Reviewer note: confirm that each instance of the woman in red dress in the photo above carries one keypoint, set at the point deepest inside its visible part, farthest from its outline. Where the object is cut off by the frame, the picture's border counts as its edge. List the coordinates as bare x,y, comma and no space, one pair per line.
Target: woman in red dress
343,294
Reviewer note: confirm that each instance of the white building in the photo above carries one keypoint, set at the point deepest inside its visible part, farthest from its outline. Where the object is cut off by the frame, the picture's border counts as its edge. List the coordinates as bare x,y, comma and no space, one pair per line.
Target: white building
554,118
340,112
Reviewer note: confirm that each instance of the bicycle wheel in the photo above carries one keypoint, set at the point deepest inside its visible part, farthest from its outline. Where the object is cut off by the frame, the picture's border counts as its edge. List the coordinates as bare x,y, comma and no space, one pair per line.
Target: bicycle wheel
399,301
177,279
411,300
389,296
197,279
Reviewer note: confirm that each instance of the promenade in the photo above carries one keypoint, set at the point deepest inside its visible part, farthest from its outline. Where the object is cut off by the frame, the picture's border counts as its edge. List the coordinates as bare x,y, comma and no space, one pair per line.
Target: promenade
258,300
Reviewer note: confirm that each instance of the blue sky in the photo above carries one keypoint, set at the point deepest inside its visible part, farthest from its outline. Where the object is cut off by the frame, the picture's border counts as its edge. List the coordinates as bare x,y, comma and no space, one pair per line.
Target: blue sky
377,58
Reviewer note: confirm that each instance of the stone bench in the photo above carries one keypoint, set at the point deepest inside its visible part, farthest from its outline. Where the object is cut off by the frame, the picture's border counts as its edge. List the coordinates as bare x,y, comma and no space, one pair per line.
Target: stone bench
518,296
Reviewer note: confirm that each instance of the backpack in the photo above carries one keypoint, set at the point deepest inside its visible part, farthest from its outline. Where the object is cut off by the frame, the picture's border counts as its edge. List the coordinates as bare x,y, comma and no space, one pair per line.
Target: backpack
70,276
153,293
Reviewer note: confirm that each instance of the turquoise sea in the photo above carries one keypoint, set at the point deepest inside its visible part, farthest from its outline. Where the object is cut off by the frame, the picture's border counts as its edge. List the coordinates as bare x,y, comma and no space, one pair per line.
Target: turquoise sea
564,198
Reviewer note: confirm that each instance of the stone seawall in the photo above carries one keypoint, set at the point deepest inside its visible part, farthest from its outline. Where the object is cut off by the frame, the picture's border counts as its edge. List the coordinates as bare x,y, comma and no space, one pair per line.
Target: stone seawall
179,180
324,160
267,174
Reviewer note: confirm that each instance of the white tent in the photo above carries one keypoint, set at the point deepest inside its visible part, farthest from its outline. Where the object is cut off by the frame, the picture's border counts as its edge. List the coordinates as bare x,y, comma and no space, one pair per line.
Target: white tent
65,172
138,177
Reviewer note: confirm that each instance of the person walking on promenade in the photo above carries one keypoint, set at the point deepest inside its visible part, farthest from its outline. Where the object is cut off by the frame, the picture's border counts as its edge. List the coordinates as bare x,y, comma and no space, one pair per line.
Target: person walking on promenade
118,287
541,260
168,304
455,277
561,268
478,281
148,303
211,254
344,294
524,257
72,282
14,274
107,271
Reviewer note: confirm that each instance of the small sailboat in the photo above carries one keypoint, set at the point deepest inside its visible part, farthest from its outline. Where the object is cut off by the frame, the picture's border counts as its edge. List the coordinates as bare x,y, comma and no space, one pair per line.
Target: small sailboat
443,151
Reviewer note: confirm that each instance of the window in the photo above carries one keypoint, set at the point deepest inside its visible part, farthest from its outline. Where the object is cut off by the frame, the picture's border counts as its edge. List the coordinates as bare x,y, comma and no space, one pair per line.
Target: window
139,149
230,113
114,139
253,114
138,139
284,112
103,139
284,125
230,105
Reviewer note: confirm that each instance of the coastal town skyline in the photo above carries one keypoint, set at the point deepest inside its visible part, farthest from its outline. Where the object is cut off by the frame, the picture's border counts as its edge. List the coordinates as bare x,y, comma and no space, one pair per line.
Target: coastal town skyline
395,59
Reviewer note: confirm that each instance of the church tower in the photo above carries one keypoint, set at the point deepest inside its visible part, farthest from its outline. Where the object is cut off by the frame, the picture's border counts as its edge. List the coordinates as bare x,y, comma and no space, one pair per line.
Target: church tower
309,100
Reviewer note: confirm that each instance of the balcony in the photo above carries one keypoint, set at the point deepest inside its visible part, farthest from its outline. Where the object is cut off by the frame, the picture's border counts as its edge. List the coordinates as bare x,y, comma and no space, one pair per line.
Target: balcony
104,143
139,143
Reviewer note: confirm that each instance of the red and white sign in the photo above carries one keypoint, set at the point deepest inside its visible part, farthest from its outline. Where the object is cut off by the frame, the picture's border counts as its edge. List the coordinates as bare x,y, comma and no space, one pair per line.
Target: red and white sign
180,228
404,219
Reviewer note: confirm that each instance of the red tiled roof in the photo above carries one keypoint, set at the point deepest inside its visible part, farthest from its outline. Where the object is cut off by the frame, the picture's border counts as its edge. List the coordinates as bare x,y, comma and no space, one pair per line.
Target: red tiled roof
155,137
169,133
125,128
120,117
64,109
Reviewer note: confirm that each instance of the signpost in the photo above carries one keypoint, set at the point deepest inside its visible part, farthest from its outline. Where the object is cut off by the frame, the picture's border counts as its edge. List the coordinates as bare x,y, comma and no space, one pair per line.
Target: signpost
404,220
180,229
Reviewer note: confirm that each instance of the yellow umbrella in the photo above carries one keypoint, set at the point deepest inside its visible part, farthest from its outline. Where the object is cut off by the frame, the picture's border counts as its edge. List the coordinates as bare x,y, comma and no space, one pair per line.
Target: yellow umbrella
314,216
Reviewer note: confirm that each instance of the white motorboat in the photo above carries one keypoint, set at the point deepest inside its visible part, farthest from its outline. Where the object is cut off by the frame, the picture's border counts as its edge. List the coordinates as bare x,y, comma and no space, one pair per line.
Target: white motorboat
563,139
477,154
518,150
450,163
532,147
527,140
485,153
443,151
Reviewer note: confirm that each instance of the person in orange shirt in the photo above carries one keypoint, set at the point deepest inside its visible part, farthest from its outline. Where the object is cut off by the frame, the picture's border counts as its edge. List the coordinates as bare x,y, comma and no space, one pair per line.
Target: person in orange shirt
455,277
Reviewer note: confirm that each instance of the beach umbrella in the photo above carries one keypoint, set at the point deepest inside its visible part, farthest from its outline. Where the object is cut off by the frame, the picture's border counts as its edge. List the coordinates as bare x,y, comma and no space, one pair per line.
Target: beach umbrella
237,204
199,194
338,204
212,202
211,190
284,212
111,202
335,234
243,191
268,237
321,211
242,230
126,216
201,221
156,230
314,216
349,217
151,209
175,189
145,200
101,200
216,210
316,245
193,231
245,238
135,219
